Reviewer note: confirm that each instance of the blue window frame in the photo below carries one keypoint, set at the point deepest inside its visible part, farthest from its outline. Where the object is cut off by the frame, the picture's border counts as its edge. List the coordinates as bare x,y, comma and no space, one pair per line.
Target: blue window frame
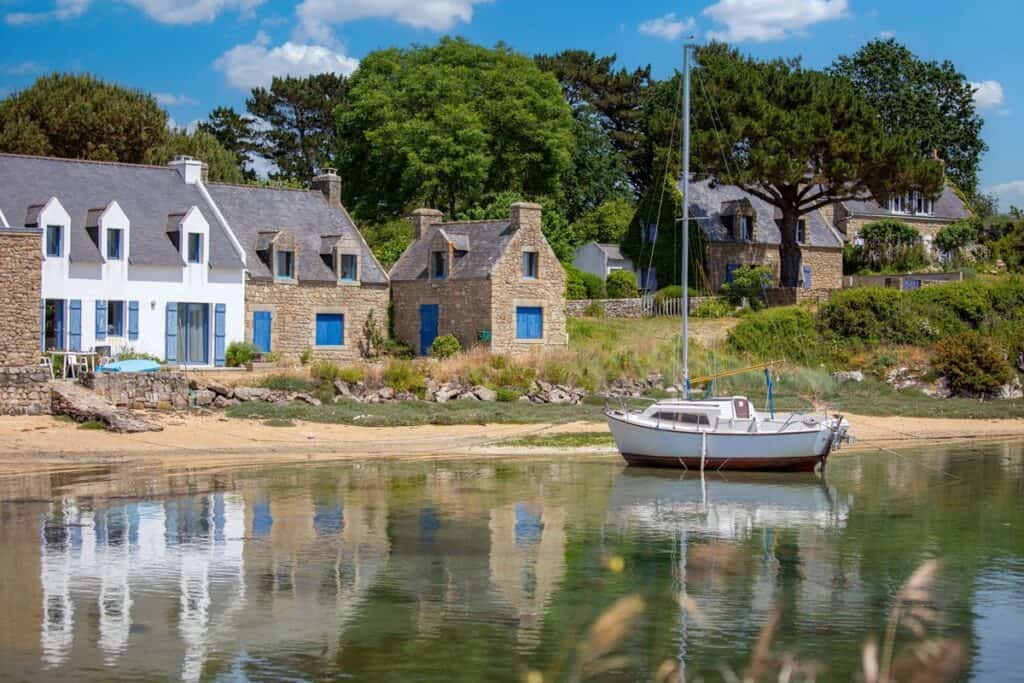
195,247
330,329
285,265
113,244
349,268
438,265
529,322
530,265
54,240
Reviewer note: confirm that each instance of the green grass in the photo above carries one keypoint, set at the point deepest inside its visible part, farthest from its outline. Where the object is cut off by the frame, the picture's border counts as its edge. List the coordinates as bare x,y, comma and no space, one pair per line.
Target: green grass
879,399
95,425
568,440
278,422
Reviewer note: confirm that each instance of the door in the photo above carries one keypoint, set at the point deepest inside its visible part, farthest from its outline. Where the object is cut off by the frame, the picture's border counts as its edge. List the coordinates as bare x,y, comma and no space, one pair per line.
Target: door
261,322
53,325
807,277
429,314
193,334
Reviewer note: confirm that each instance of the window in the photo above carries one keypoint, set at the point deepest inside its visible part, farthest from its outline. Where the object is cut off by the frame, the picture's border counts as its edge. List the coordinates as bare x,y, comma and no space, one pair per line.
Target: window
330,329
54,240
530,265
911,203
115,318
529,322
349,267
650,234
437,265
195,247
683,418
801,231
747,228
113,245
729,223
286,265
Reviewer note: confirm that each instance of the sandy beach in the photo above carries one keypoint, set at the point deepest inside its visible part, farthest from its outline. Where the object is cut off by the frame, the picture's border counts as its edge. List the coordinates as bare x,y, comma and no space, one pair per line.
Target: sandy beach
32,444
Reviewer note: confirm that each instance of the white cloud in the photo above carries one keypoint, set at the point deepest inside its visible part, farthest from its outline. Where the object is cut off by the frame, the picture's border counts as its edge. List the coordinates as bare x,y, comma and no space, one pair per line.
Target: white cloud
166,99
163,11
255,64
1010,194
22,68
317,16
191,128
667,27
762,20
886,35
988,94
63,10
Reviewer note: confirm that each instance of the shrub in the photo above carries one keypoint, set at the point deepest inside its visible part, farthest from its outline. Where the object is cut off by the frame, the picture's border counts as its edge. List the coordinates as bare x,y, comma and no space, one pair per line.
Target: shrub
508,395
869,314
403,375
595,286
131,354
974,365
352,375
748,282
672,292
580,285
306,357
239,353
288,383
788,333
324,370
968,301
713,308
594,310
955,236
621,284
888,245
445,346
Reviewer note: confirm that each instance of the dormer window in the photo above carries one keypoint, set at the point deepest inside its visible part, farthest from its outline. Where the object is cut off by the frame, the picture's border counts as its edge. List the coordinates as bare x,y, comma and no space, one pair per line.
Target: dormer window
54,240
349,268
437,265
801,231
195,247
114,243
285,265
530,265
913,203
746,224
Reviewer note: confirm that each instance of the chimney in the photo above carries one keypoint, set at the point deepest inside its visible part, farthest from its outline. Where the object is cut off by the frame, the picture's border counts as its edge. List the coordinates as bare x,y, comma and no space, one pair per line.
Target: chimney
526,216
423,219
329,184
191,170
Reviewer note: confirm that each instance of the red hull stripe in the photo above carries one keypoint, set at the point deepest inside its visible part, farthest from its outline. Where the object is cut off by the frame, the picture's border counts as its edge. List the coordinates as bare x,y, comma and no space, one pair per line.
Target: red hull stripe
801,464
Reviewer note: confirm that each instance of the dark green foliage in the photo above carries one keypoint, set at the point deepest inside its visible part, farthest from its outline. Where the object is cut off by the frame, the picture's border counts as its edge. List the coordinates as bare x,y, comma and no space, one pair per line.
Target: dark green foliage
388,240
661,207
713,308
788,333
955,236
445,346
77,116
969,302
748,282
973,364
236,133
223,165
672,292
598,172
607,223
239,353
888,245
554,224
869,314
621,284
580,285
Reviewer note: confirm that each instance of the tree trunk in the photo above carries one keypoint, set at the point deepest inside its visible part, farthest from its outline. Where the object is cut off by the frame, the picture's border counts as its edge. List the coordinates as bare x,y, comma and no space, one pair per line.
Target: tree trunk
790,257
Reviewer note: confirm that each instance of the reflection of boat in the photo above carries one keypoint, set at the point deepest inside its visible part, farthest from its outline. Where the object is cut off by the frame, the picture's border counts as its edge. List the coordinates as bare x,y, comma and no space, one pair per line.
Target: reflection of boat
729,507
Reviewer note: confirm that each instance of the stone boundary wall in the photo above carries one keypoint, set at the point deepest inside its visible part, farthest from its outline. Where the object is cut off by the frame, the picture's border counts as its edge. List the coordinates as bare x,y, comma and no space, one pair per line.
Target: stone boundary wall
791,296
24,391
21,256
135,390
613,308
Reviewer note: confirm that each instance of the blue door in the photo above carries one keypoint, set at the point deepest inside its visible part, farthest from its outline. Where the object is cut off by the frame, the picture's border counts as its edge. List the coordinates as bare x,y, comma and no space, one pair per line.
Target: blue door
429,315
807,277
261,321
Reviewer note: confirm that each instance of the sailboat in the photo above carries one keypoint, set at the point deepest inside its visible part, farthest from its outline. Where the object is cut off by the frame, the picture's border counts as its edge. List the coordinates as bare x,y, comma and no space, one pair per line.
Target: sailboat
725,433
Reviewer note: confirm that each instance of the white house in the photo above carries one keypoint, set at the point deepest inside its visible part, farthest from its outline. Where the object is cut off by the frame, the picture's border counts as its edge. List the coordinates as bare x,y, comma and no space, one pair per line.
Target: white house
134,257
602,259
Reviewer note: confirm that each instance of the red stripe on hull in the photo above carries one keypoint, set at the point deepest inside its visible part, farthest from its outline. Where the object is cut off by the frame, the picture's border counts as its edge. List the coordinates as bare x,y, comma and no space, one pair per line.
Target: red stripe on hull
801,464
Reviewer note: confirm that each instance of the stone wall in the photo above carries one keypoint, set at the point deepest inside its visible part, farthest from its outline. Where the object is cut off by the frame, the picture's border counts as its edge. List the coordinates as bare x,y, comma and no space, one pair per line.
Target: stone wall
24,391
464,309
826,264
826,267
21,274
294,307
850,225
613,308
791,296
137,390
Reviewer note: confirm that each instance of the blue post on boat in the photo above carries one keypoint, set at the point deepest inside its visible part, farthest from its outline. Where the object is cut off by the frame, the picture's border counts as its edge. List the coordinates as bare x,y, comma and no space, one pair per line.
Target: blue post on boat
771,391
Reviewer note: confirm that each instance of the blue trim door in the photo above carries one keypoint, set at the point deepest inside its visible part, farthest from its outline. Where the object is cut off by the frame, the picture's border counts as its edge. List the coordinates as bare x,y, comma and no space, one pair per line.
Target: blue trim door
75,325
429,316
262,322
529,322
807,277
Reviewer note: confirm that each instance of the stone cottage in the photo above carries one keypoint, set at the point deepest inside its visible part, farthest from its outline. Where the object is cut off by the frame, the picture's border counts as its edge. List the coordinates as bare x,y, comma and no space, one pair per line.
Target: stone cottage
743,230
312,282
493,283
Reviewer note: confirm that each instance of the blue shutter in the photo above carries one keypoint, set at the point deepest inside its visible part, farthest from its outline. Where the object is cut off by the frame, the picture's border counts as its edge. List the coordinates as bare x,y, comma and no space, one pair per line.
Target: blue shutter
133,320
101,319
75,326
807,277
730,270
171,333
42,325
220,312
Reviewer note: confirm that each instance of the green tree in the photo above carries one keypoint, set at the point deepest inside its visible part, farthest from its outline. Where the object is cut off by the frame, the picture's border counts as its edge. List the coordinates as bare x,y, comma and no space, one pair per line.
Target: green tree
78,116
554,224
221,164
798,139
598,171
388,240
887,245
236,133
298,114
445,126
607,223
932,102
621,284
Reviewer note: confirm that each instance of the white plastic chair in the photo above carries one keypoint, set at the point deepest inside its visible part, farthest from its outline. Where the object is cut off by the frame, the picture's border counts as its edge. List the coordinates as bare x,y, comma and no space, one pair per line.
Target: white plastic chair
47,362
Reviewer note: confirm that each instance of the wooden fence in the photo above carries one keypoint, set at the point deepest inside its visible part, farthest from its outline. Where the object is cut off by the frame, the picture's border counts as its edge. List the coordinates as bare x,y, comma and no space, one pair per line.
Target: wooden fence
652,308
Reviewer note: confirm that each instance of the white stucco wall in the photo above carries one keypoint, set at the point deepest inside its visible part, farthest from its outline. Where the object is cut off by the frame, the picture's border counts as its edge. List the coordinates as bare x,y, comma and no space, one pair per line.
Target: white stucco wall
590,258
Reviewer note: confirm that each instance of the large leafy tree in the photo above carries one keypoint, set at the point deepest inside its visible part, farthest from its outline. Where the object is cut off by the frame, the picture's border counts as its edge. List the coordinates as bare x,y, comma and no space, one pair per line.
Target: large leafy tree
77,116
598,172
800,140
222,164
932,102
297,130
447,125
236,133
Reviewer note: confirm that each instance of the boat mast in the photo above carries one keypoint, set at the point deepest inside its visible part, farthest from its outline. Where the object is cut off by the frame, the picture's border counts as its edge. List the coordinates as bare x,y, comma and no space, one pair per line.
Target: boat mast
686,217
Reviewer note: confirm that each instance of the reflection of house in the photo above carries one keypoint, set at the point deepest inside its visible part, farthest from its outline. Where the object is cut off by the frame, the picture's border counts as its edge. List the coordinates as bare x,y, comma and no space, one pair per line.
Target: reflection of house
493,283
601,259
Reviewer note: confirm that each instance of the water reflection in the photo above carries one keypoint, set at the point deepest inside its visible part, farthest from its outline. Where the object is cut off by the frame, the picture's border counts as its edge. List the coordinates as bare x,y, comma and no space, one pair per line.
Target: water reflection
484,571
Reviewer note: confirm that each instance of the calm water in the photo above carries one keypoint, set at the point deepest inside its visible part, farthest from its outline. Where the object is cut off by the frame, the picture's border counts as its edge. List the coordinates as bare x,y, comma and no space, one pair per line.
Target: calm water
490,570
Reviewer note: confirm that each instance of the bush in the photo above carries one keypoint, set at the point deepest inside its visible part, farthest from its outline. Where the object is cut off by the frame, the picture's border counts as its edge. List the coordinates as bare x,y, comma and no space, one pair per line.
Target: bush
955,236
748,282
131,354
445,346
887,245
594,310
713,308
306,357
621,284
869,314
672,292
972,364
403,375
352,375
969,302
288,383
788,333
580,285
508,395
240,353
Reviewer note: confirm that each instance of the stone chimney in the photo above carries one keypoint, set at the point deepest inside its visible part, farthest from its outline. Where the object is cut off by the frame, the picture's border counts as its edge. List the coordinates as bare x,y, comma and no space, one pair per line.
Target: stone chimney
526,216
192,170
329,184
423,219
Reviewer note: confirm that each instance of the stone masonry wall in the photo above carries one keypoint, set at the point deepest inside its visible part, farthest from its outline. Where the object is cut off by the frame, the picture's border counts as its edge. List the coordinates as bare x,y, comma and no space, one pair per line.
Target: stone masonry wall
464,309
21,274
851,225
613,308
137,390
294,307
509,289
24,391
826,264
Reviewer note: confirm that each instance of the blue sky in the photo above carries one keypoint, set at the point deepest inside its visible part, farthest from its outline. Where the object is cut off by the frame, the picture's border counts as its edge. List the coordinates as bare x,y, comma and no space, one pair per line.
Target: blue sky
198,54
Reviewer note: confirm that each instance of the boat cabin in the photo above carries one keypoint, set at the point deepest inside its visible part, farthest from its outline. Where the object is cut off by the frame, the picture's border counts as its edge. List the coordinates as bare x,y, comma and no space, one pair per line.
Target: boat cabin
707,413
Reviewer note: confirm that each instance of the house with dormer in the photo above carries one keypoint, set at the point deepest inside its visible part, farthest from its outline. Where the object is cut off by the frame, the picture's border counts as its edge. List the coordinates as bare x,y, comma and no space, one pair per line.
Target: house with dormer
494,283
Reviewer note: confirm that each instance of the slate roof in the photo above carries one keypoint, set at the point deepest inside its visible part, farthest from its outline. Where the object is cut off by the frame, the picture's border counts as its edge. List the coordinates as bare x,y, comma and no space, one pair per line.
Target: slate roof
613,251
147,194
706,199
251,210
487,241
947,207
